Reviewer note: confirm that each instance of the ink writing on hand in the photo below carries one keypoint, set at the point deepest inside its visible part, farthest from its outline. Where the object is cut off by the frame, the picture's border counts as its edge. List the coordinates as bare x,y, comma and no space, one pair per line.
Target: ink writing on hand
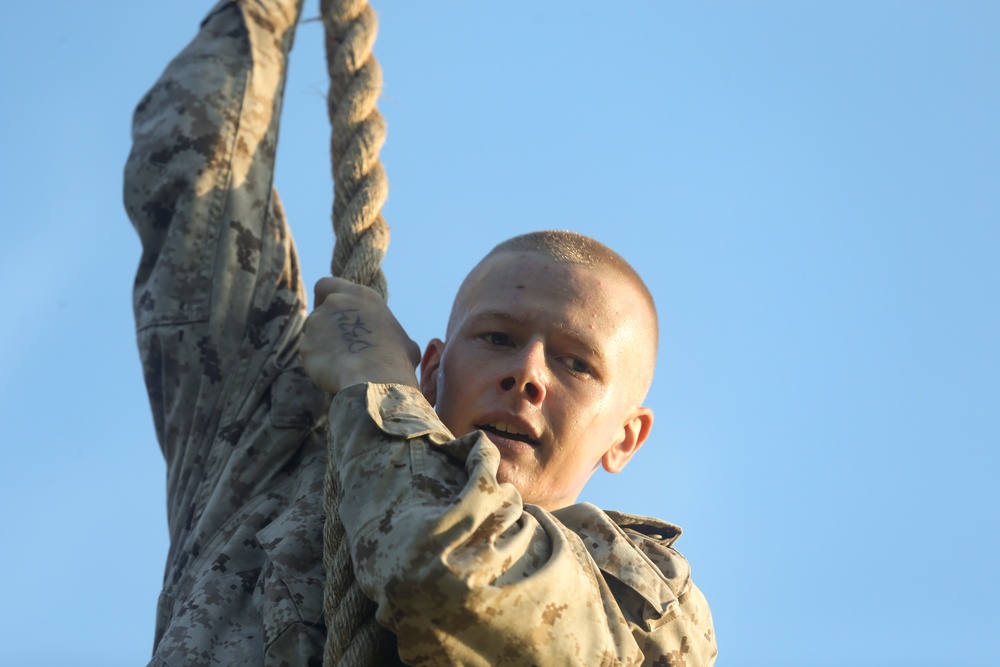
353,330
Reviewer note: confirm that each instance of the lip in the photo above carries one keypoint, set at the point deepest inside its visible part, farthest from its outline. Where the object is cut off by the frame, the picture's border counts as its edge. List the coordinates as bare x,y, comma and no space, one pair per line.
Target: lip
509,445
530,439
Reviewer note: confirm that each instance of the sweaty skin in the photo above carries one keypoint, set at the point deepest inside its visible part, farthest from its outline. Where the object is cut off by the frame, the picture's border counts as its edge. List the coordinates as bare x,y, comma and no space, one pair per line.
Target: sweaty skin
542,358
472,546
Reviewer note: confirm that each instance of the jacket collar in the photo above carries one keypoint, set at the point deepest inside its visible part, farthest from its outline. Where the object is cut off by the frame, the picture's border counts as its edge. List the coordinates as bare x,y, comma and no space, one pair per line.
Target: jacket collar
634,550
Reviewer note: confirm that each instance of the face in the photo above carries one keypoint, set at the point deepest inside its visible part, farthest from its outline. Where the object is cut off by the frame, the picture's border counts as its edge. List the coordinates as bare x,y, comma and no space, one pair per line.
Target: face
542,357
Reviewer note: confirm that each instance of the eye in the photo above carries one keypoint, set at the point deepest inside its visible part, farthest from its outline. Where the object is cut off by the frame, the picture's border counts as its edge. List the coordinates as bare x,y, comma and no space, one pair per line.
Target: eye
497,338
577,366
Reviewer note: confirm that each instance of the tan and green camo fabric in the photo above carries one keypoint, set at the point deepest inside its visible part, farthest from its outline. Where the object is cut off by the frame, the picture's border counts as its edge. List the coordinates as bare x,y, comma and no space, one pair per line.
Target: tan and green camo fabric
460,569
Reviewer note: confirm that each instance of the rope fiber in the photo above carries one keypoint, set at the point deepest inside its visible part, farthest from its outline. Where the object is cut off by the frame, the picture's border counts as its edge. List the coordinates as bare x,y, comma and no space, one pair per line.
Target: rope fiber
362,236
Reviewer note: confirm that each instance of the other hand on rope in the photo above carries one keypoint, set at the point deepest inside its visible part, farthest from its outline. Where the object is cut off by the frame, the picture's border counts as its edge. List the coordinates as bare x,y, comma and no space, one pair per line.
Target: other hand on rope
352,337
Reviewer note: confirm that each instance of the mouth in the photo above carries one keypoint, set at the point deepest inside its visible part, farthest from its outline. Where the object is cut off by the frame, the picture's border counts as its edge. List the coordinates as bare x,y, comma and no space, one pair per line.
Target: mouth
508,431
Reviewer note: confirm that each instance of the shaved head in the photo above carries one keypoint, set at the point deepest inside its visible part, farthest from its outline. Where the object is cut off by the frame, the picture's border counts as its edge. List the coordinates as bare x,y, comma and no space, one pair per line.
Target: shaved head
570,248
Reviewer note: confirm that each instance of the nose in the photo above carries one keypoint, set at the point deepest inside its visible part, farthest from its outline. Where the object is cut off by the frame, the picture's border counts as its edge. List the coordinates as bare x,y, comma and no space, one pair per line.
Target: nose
527,375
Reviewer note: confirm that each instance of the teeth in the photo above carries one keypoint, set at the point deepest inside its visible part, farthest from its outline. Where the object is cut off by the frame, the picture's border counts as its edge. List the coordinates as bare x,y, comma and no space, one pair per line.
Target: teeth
507,428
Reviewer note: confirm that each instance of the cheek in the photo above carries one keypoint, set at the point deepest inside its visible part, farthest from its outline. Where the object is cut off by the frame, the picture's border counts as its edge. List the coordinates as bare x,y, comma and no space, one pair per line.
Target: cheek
463,374
592,405
452,397
596,417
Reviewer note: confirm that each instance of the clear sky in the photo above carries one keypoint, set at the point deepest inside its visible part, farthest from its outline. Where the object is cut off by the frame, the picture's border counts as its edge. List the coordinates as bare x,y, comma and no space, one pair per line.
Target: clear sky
812,190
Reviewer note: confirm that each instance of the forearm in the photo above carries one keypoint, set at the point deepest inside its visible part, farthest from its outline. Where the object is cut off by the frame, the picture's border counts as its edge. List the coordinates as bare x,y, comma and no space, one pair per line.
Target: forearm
462,572
209,125
198,189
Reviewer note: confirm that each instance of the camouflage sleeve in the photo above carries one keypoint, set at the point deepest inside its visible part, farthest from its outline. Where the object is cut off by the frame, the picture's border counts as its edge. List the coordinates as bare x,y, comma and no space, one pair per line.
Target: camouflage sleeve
461,570
218,298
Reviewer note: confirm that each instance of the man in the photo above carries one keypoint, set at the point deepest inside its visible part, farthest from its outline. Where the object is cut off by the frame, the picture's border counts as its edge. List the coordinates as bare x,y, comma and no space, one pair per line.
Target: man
220,310
473,547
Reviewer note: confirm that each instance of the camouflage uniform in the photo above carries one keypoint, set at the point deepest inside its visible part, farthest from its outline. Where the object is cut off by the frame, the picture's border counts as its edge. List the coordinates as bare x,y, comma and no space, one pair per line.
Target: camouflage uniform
465,574
460,569
219,308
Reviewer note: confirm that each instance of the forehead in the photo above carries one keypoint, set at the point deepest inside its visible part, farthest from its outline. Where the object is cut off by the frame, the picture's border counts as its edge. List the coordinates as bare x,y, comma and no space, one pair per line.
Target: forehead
533,286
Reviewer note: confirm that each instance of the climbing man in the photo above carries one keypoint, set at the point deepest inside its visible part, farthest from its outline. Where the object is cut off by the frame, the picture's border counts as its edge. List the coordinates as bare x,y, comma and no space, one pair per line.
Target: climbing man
472,548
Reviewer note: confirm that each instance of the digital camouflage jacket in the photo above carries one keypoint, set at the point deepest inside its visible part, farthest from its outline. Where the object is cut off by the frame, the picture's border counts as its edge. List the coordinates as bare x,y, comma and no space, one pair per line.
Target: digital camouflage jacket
219,308
466,574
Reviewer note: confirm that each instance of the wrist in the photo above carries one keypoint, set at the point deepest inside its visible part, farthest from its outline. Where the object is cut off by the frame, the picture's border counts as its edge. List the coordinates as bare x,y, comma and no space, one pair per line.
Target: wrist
387,377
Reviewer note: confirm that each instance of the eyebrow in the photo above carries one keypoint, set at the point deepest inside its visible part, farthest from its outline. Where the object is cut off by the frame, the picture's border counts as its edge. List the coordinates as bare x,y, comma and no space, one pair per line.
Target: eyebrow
498,315
515,320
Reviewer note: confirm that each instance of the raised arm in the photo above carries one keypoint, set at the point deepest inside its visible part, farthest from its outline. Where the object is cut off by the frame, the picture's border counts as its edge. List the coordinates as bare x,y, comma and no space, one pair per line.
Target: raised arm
217,292
219,307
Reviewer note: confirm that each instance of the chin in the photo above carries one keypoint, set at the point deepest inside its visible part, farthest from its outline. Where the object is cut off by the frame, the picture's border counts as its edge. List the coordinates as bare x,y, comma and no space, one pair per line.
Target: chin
507,473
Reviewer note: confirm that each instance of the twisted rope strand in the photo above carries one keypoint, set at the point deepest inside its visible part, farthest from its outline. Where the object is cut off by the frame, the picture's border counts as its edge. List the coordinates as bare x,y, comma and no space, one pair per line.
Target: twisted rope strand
362,236
357,136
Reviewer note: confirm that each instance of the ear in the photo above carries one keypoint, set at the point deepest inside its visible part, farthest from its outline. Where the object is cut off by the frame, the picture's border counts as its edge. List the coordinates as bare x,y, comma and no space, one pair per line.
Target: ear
430,363
634,432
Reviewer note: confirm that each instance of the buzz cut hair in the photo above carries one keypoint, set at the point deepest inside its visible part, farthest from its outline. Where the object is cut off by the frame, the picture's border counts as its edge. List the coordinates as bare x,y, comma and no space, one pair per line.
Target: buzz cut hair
570,248
566,246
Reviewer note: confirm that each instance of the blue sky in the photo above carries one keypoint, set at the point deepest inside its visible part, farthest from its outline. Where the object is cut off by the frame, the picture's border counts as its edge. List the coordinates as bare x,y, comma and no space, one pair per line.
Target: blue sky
810,189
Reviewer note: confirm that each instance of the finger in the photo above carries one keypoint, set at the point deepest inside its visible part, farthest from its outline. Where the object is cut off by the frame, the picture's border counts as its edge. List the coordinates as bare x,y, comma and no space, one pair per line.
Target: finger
325,287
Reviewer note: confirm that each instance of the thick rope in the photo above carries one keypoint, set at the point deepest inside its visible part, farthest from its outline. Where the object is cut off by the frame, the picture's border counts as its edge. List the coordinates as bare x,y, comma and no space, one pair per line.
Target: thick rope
358,132
360,190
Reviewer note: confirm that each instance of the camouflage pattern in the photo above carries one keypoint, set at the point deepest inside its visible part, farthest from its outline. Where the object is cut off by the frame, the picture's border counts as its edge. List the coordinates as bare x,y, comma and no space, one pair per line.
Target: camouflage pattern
460,569
466,574
219,308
